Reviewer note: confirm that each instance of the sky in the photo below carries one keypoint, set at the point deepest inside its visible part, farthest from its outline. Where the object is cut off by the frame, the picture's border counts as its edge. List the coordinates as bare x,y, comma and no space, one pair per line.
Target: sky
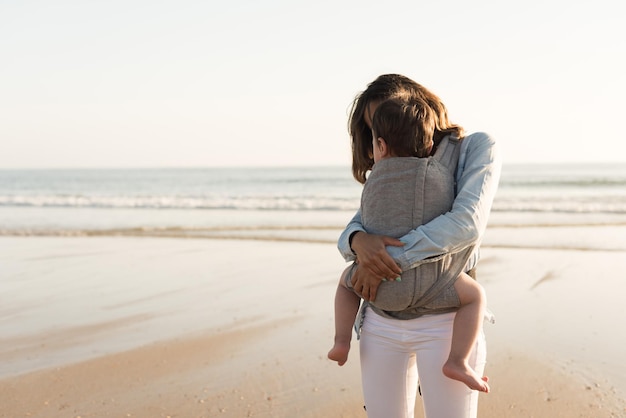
132,83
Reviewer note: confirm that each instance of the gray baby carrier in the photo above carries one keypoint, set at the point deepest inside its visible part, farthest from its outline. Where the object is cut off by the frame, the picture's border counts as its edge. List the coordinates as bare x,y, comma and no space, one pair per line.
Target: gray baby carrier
399,195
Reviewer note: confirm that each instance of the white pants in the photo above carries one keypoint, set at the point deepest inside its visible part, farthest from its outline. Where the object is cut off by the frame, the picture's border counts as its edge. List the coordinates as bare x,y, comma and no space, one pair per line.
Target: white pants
392,353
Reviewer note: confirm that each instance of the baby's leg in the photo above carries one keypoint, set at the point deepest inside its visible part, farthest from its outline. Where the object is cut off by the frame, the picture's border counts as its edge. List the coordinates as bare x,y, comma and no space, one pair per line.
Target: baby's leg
467,326
346,308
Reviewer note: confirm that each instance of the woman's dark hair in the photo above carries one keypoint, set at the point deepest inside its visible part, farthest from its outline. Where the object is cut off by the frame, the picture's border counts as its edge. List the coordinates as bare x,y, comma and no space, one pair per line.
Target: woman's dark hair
391,86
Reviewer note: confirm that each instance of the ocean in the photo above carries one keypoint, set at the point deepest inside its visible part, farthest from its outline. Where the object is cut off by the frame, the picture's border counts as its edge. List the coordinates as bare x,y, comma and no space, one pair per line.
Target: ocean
207,201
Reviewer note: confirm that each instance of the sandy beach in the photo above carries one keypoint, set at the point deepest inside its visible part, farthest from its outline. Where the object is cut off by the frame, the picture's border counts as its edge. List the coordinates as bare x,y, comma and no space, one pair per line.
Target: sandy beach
135,326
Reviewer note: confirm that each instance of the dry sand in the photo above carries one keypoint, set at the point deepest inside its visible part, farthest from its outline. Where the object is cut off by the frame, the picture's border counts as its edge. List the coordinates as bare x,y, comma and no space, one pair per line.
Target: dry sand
165,327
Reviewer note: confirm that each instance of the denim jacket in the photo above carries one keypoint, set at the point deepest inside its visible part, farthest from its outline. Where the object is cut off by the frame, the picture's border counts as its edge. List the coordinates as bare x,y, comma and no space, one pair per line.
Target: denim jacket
477,177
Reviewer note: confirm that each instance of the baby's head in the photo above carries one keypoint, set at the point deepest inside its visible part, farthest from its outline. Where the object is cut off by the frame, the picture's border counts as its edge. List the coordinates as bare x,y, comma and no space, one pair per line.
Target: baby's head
404,129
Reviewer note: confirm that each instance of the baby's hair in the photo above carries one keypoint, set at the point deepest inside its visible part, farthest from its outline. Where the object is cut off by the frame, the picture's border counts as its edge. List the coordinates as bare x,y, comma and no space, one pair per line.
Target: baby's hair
407,127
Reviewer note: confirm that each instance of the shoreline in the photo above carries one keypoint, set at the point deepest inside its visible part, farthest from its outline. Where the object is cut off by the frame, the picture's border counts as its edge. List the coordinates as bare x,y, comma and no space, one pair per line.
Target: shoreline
214,223
566,236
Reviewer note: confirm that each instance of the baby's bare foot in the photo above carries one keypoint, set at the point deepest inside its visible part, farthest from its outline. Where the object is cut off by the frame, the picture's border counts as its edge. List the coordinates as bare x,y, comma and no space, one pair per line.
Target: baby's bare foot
465,374
339,353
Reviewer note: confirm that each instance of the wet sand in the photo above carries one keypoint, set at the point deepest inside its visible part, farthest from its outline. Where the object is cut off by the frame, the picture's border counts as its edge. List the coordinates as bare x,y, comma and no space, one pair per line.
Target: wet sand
158,327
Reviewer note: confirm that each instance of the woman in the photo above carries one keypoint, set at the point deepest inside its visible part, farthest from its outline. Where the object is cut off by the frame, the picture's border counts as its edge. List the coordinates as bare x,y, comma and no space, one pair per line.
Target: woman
394,350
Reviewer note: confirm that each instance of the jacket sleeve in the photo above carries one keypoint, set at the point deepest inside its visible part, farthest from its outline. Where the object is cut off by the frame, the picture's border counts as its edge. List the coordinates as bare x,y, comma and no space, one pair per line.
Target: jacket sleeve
343,244
479,168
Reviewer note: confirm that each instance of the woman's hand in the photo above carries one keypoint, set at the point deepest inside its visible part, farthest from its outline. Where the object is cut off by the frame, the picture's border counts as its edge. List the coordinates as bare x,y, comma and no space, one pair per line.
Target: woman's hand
374,263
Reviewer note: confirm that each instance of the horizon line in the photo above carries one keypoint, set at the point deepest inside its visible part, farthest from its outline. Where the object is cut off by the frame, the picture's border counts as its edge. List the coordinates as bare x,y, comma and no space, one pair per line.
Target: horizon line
285,166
